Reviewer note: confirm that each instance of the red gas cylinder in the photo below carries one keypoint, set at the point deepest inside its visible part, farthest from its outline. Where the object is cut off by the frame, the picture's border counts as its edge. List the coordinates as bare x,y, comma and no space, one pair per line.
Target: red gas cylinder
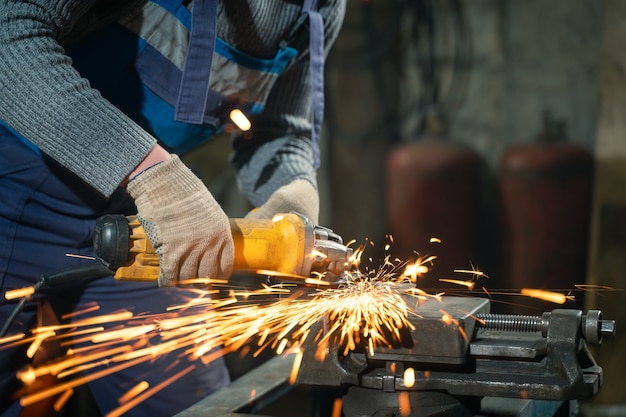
432,192
545,203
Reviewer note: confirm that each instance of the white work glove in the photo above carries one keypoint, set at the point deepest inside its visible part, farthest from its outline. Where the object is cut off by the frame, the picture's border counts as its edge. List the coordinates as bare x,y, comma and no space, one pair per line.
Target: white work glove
299,196
187,227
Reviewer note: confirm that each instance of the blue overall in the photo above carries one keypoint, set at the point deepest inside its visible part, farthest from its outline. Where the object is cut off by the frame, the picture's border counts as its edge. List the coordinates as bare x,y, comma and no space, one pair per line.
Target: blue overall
46,212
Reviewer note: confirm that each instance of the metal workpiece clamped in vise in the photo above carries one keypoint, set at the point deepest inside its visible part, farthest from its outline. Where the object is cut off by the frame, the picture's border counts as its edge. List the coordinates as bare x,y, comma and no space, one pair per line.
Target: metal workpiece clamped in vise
464,365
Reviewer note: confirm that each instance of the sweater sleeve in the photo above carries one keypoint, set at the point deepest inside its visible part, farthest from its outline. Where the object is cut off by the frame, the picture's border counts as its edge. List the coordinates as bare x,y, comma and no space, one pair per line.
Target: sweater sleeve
281,149
45,100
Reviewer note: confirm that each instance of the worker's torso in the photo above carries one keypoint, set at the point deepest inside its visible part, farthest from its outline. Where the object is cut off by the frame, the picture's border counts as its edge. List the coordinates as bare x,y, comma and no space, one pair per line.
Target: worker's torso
139,64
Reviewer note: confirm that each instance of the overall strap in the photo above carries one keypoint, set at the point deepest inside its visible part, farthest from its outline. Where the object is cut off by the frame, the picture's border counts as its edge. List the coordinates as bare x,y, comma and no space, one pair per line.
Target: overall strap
194,86
316,55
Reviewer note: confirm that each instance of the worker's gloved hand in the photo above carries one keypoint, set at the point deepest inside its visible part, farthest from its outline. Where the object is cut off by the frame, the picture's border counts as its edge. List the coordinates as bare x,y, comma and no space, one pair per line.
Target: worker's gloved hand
187,227
299,196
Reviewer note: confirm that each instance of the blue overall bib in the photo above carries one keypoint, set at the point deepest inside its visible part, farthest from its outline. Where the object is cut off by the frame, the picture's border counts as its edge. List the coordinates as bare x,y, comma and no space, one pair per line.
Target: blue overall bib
46,213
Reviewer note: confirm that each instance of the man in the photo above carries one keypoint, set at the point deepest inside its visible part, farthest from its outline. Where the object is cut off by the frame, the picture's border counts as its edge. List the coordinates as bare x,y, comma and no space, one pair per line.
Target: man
98,97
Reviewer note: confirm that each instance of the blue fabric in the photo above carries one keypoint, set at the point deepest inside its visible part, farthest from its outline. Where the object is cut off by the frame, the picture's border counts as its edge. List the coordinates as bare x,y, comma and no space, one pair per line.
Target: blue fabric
146,86
275,65
194,87
108,60
178,137
178,9
45,213
22,138
316,58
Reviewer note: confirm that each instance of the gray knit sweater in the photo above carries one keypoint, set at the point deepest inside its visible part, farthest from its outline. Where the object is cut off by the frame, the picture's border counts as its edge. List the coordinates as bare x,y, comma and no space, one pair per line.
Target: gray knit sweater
43,97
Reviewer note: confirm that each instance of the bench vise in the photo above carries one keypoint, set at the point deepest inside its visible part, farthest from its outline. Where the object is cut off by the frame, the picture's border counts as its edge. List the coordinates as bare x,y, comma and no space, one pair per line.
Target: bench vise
459,362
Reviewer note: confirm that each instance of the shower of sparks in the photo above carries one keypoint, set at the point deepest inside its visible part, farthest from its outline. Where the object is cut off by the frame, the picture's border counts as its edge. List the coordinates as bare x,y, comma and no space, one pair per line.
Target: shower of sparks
369,310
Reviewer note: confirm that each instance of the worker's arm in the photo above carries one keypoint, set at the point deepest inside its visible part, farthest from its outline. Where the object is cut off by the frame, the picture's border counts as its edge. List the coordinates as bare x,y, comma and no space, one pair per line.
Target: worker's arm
46,100
280,151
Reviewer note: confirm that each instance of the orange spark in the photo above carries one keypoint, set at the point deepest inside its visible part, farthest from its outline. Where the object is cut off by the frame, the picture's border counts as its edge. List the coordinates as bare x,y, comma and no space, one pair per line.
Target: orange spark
60,402
12,338
486,292
463,334
147,394
203,281
446,318
295,367
404,404
57,389
478,319
86,310
553,297
475,272
71,362
19,293
27,375
281,346
337,405
74,340
73,255
39,339
314,281
435,240
468,284
409,377
417,269
106,318
134,391
123,334
594,287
